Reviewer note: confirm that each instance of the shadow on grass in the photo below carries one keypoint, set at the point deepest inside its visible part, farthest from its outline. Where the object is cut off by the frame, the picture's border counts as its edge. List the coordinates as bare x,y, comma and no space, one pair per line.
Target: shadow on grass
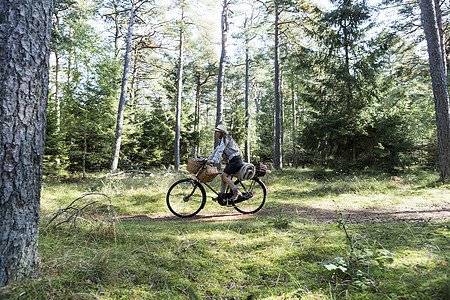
372,215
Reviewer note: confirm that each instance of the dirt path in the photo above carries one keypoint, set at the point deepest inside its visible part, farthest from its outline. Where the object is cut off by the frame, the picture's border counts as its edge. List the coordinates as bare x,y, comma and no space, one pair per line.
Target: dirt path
436,212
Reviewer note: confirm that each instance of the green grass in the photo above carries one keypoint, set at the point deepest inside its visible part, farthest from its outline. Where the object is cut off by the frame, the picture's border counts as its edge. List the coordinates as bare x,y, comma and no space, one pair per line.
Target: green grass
280,253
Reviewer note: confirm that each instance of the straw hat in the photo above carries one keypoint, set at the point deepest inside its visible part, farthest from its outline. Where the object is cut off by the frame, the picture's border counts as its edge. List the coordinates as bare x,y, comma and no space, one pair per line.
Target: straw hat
221,128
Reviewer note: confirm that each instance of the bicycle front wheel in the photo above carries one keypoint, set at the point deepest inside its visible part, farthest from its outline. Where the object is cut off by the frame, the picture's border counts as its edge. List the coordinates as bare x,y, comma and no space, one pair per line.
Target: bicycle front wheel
186,198
254,196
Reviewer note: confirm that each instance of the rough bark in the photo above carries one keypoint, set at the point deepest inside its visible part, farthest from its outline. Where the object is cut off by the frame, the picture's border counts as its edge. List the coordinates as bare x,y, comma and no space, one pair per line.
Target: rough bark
441,32
439,84
24,55
121,109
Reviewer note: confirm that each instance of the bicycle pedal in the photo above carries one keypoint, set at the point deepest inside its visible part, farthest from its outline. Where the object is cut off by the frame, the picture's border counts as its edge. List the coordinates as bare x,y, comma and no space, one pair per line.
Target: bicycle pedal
230,204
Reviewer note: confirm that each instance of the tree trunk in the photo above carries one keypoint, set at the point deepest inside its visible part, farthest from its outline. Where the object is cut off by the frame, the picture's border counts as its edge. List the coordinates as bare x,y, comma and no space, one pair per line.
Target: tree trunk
221,74
198,89
116,28
277,162
24,55
441,33
439,84
294,123
179,92
247,100
85,136
134,84
120,112
57,79
199,83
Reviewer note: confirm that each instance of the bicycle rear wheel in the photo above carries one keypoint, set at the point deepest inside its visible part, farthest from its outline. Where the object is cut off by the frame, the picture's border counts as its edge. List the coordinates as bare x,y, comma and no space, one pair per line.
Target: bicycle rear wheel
186,198
253,196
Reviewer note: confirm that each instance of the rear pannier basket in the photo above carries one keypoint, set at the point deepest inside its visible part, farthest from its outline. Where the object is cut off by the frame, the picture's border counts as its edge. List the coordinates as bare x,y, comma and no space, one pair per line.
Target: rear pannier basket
261,170
193,165
207,174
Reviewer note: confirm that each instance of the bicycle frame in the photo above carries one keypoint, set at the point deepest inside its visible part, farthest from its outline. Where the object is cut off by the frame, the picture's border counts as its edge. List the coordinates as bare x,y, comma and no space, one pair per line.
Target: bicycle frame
228,190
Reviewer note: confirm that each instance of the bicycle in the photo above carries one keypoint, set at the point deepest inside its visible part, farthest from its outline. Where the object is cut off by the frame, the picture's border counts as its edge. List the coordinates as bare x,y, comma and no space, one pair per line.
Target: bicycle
187,197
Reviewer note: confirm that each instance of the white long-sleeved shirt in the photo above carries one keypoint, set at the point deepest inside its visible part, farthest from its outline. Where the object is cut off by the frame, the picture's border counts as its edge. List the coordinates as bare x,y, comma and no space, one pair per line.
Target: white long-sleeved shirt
227,148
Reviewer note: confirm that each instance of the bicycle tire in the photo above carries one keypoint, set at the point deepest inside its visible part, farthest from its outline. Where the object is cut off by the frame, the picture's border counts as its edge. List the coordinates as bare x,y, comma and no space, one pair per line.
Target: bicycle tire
254,203
185,198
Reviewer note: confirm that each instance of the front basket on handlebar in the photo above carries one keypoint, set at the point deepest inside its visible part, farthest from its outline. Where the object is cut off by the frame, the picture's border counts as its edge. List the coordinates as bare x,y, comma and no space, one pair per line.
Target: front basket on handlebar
202,172
194,165
207,174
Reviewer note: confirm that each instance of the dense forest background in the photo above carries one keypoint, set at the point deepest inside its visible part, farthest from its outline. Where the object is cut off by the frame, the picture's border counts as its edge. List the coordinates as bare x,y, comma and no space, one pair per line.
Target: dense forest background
355,88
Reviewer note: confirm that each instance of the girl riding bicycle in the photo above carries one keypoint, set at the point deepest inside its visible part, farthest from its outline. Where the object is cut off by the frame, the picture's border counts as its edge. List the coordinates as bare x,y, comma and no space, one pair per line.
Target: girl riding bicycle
230,152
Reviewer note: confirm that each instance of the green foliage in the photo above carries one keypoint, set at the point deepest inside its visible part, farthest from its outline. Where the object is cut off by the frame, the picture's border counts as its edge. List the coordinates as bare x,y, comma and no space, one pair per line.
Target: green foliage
362,266
82,114
354,96
280,221
359,115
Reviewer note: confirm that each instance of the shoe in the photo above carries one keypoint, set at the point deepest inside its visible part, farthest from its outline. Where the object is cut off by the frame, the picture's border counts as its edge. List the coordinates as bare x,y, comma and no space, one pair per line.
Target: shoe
219,197
236,195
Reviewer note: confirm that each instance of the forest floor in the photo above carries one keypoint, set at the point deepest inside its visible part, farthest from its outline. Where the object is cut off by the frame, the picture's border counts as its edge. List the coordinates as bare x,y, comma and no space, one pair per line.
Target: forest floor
398,213
397,246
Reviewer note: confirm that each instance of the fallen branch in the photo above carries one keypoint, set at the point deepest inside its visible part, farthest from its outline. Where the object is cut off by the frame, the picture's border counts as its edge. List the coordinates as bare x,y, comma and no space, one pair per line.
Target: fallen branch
190,245
74,212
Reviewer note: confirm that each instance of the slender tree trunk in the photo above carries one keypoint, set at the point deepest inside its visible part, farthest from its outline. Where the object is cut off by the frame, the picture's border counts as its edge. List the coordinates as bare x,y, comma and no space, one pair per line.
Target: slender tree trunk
439,84
221,75
24,69
116,29
69,62
198,90
294,123
348,95
134,85
83,163
57,100
179,93
121,109
277,161
282,109
440,26
57,80
247,100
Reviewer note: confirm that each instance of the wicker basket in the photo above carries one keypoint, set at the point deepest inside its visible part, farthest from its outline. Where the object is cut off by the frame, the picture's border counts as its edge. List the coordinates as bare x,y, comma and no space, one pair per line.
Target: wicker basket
207,174
194,165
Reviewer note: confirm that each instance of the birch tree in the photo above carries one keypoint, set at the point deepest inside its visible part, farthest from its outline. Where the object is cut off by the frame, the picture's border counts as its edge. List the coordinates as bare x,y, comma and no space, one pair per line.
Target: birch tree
121,109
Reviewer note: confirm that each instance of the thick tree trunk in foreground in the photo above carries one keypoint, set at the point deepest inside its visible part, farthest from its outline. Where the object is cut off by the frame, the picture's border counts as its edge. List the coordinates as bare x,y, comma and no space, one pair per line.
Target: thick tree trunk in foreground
439,83
24,55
